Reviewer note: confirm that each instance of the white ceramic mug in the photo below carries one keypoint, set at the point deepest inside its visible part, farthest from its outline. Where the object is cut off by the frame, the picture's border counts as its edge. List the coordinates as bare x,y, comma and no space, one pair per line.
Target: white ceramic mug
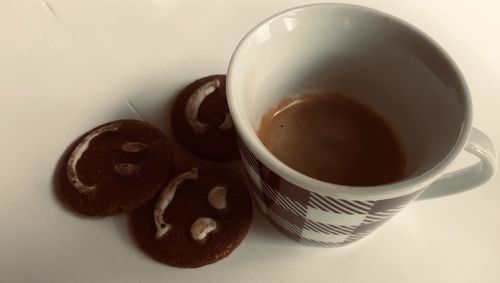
384,63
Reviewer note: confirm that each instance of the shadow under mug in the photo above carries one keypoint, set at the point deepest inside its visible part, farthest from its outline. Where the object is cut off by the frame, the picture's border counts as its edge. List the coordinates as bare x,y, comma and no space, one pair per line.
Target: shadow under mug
384,63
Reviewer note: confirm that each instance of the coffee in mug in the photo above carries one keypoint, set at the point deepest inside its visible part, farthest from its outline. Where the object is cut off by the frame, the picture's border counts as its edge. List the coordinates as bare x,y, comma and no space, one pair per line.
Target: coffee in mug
333,138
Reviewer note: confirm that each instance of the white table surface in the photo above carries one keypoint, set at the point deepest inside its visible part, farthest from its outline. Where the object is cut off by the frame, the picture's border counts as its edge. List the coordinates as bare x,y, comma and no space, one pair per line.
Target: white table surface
67,65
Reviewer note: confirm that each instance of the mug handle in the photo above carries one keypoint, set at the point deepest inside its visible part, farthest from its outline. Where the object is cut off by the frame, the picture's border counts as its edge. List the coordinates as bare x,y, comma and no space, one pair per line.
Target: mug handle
469,177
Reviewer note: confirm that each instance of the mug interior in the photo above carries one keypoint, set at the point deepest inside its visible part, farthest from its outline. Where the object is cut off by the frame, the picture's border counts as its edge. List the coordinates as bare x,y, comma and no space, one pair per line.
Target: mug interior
374,58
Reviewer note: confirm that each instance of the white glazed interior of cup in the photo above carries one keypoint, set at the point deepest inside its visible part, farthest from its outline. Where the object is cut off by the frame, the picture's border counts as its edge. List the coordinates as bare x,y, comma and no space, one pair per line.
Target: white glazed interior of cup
378,60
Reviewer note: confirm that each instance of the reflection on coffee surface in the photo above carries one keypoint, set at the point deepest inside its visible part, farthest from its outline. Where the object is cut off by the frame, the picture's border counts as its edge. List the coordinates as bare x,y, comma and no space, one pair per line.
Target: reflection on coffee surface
333,138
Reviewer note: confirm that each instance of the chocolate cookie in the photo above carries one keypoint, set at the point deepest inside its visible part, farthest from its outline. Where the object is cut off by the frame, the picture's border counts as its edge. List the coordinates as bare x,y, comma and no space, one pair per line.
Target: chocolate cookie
115,167
201,121
200,217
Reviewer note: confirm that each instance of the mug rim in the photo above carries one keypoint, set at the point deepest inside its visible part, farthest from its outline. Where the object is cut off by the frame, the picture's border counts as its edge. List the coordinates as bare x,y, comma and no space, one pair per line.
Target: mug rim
305,182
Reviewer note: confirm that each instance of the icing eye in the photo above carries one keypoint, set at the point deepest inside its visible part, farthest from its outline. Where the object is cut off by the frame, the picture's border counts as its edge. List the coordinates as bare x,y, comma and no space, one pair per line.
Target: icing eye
166,197
193,106
126,169
217,197
134,147
202,227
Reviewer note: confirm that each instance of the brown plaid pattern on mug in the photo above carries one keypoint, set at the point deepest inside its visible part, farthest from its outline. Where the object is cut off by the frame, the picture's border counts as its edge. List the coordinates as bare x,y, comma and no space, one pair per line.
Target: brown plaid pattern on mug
299,214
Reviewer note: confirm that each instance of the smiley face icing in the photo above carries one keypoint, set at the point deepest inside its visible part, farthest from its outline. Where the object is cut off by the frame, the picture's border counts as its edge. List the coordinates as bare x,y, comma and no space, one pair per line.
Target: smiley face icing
198,218
116,167
201,121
